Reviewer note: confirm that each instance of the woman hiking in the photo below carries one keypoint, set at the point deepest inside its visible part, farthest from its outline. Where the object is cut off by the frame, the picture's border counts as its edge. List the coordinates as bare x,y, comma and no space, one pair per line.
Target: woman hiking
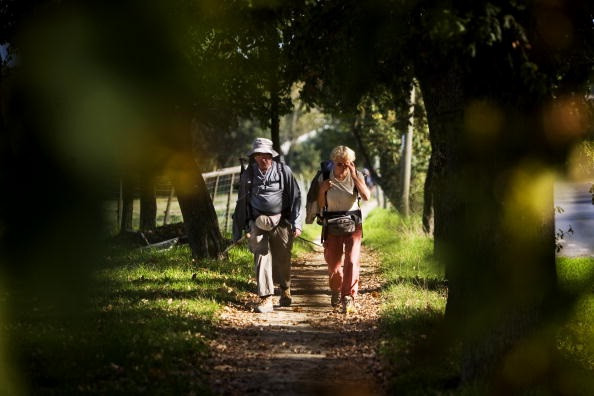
342,231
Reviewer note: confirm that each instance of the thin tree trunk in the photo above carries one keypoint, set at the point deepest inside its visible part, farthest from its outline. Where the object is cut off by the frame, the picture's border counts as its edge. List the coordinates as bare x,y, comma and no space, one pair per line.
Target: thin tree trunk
148,203
127,206
406,158
428,199
275,116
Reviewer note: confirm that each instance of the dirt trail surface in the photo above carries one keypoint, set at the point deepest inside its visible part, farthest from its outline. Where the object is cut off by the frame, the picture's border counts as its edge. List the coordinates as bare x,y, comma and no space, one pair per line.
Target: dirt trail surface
309,348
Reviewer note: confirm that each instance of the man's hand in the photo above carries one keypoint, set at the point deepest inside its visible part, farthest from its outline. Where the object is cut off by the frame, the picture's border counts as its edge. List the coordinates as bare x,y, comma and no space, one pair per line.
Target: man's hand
297,232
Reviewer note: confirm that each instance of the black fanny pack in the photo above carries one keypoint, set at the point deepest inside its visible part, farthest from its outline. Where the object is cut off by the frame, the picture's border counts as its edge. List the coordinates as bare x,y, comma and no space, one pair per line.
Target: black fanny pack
342,223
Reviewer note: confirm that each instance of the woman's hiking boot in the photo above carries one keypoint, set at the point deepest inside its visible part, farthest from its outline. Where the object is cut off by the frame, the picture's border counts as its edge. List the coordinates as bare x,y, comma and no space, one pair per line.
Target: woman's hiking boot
285,298
335,299
265,305
348,305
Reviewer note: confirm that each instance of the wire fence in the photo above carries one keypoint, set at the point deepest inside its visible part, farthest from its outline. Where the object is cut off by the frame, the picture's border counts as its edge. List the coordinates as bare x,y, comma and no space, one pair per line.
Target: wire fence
222,186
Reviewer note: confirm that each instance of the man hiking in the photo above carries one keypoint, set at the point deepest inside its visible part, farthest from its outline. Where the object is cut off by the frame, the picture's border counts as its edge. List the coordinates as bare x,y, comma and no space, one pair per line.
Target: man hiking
268,207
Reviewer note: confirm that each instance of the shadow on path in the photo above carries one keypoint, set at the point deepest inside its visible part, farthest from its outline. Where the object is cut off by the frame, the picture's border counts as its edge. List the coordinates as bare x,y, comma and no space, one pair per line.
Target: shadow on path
309,348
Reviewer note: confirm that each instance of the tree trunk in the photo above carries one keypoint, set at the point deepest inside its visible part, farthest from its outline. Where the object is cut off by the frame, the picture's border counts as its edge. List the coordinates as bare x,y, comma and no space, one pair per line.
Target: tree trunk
494,235
127,206
198,212
148,203
406,158
428,199
274,116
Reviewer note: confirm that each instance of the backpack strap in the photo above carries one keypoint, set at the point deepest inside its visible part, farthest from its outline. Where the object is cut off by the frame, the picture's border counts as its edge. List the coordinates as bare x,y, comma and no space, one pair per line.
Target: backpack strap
283,175
287,195
250,181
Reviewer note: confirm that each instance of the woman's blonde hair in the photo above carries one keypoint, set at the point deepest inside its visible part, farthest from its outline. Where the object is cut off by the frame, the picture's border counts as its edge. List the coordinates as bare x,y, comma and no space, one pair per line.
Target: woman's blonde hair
342,153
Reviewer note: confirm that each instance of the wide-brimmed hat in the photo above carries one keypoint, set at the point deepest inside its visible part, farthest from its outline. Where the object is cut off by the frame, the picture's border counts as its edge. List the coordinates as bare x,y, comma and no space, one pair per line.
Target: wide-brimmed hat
263,145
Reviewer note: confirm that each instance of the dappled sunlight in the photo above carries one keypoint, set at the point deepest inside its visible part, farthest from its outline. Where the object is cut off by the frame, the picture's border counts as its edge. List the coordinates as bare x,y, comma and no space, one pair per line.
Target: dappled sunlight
285,350
145,327
101,102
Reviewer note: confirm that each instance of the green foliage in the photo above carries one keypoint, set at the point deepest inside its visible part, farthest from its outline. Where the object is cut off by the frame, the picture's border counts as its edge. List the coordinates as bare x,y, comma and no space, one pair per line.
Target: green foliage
143,329
383,124
305,158
581,162
335,134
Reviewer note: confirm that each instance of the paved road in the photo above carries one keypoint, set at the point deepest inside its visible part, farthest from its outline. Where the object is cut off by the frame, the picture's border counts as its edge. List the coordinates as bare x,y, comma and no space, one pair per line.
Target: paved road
578,215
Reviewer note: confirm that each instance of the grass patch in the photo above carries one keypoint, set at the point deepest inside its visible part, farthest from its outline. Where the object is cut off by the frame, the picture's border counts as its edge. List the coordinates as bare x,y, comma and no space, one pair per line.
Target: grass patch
143,326
576,337
415,296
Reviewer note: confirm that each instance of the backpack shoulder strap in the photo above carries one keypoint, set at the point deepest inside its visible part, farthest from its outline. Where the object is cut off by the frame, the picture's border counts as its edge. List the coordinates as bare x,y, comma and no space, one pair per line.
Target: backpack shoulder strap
249,182
283,174
287,192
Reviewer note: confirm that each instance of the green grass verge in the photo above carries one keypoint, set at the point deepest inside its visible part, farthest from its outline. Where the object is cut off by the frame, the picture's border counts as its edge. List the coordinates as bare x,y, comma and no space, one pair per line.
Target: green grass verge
415,296
142,325
576,338
142,328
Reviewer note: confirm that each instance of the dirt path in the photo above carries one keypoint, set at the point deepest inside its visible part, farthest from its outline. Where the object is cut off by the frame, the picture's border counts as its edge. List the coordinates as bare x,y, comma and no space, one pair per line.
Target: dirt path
309,348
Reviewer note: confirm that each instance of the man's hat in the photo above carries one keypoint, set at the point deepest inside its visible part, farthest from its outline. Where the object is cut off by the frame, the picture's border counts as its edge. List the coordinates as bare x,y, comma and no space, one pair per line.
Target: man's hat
263,145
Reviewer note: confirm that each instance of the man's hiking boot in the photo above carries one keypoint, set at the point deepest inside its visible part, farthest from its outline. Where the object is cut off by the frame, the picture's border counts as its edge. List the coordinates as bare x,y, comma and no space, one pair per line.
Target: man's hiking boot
348,305
285,298
335,299
265,305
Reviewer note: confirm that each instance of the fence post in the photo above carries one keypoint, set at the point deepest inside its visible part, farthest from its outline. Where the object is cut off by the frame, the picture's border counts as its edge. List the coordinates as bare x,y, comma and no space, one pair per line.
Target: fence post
168,207
216,187
229,201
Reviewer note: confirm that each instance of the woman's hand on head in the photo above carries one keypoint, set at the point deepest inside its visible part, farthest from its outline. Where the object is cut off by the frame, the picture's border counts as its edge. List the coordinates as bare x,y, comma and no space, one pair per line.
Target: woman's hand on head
351,166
